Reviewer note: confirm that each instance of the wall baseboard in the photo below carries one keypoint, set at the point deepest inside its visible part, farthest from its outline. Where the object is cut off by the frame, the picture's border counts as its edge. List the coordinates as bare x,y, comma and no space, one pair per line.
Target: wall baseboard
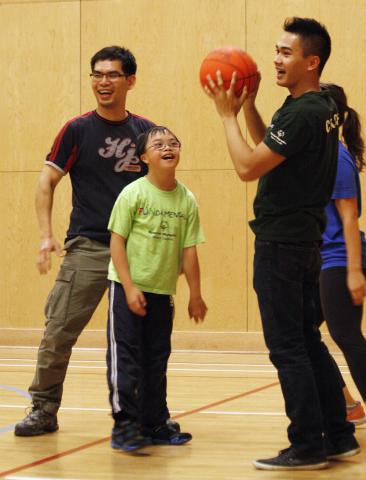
181,340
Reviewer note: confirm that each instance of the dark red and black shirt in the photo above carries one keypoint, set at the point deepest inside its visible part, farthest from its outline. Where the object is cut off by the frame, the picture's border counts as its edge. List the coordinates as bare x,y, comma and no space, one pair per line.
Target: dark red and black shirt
100,157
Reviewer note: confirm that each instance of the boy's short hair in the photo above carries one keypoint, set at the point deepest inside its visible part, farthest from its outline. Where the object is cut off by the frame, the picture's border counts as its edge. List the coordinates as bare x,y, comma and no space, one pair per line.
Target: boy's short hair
125,56
143,138
314,37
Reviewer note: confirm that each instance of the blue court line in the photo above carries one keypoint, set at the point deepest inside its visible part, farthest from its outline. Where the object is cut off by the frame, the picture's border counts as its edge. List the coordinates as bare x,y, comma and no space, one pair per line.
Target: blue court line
20,392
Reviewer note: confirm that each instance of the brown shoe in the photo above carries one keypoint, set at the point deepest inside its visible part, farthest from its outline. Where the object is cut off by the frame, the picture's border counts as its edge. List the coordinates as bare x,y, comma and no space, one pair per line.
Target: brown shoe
37,422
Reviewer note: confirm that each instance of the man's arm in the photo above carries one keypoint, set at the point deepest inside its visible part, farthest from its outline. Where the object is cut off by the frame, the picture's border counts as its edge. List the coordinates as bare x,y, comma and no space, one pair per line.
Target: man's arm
47,182
249,164
196,307
135,298
253,120
348,211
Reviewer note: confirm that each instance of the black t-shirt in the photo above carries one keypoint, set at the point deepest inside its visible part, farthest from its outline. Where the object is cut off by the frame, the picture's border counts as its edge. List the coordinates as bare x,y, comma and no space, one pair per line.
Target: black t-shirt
100,157
291,198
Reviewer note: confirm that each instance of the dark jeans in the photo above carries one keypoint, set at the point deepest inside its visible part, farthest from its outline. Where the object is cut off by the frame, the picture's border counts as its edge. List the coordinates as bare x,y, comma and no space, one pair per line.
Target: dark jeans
344,322
286,278
137,357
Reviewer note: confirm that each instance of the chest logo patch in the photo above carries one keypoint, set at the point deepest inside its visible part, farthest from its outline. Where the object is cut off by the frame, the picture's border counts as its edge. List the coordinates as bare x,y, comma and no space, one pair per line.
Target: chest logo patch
123,150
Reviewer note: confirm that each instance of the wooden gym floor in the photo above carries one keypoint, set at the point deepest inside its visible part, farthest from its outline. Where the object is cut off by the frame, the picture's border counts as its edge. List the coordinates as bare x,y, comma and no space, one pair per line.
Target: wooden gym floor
230,401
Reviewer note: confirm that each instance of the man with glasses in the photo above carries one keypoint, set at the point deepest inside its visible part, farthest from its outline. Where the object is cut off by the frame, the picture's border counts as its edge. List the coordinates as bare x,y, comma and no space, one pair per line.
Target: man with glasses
97,149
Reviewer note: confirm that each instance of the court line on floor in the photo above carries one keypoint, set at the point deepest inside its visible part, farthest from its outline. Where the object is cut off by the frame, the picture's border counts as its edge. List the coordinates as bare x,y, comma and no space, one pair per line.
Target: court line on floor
174,351
20,392
221,402
36,478
214,370
239,369
32,362
173,412
106,439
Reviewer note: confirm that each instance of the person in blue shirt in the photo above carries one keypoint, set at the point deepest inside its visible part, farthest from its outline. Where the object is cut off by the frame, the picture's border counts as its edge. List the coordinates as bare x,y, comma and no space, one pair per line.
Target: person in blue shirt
343,252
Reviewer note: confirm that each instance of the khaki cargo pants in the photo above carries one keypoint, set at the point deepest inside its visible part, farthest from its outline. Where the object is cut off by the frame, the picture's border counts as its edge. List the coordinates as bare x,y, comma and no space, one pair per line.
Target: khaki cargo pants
79,287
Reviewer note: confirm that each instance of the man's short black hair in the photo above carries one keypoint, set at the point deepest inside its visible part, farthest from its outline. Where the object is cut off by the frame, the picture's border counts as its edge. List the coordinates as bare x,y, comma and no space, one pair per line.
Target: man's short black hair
143,138
314,37
127,59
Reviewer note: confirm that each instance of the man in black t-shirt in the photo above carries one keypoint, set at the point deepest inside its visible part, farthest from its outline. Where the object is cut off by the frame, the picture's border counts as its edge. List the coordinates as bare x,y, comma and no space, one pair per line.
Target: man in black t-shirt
295,161
97,149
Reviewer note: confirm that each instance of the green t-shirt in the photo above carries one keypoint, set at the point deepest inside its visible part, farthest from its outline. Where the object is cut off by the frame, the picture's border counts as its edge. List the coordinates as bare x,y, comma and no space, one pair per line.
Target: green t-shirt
157,226
291,198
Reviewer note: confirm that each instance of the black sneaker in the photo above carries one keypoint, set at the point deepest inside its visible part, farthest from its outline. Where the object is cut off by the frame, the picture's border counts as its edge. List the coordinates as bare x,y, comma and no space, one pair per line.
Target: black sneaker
168,434
127,436
342,449
37,422
287,459
173,424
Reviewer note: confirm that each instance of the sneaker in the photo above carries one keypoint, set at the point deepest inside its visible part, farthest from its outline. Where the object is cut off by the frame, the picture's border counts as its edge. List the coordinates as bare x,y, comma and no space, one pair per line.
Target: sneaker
37,422
287,459
168,434
345,448
173,424
127,436
356,414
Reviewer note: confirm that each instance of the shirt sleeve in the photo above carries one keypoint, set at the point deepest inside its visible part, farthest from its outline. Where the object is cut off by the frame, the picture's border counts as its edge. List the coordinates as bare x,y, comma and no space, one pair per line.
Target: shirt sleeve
345,184
64,149
121,217
288,134
193,233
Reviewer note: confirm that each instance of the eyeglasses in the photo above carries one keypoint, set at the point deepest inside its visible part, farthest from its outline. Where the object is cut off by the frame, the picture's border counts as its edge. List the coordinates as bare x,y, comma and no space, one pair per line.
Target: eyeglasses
109,76
174,145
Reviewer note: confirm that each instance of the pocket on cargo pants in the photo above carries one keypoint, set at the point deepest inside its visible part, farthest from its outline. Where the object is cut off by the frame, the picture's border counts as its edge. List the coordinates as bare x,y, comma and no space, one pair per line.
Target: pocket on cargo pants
57,304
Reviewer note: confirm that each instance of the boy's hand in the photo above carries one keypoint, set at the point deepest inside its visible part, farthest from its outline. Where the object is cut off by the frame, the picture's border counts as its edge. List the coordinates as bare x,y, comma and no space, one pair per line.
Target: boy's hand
197,309
136,301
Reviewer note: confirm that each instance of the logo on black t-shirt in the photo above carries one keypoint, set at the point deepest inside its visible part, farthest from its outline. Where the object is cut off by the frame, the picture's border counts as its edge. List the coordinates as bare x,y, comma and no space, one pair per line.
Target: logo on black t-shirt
333,122
124,151
278,137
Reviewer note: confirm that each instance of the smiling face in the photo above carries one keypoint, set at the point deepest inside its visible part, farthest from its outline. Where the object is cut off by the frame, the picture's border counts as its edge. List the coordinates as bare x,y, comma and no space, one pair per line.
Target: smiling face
109,92
293,68
162,152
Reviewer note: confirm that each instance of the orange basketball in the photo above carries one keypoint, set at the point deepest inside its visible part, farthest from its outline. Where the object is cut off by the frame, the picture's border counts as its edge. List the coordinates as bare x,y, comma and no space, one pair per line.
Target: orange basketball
229,60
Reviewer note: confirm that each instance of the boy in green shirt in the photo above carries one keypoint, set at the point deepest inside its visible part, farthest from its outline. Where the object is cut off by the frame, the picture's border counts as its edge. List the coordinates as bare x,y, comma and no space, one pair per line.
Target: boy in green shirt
154,228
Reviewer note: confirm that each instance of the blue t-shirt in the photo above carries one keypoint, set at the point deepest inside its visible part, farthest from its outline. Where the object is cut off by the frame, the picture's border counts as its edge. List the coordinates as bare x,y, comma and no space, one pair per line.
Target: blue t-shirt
347,185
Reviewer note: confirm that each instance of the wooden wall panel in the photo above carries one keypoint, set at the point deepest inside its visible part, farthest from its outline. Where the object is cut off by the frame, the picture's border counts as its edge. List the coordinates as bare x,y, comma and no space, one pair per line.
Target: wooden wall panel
168,70
46,83
221,199
22,290
40,88
169,52
40,46
169,39
28,2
